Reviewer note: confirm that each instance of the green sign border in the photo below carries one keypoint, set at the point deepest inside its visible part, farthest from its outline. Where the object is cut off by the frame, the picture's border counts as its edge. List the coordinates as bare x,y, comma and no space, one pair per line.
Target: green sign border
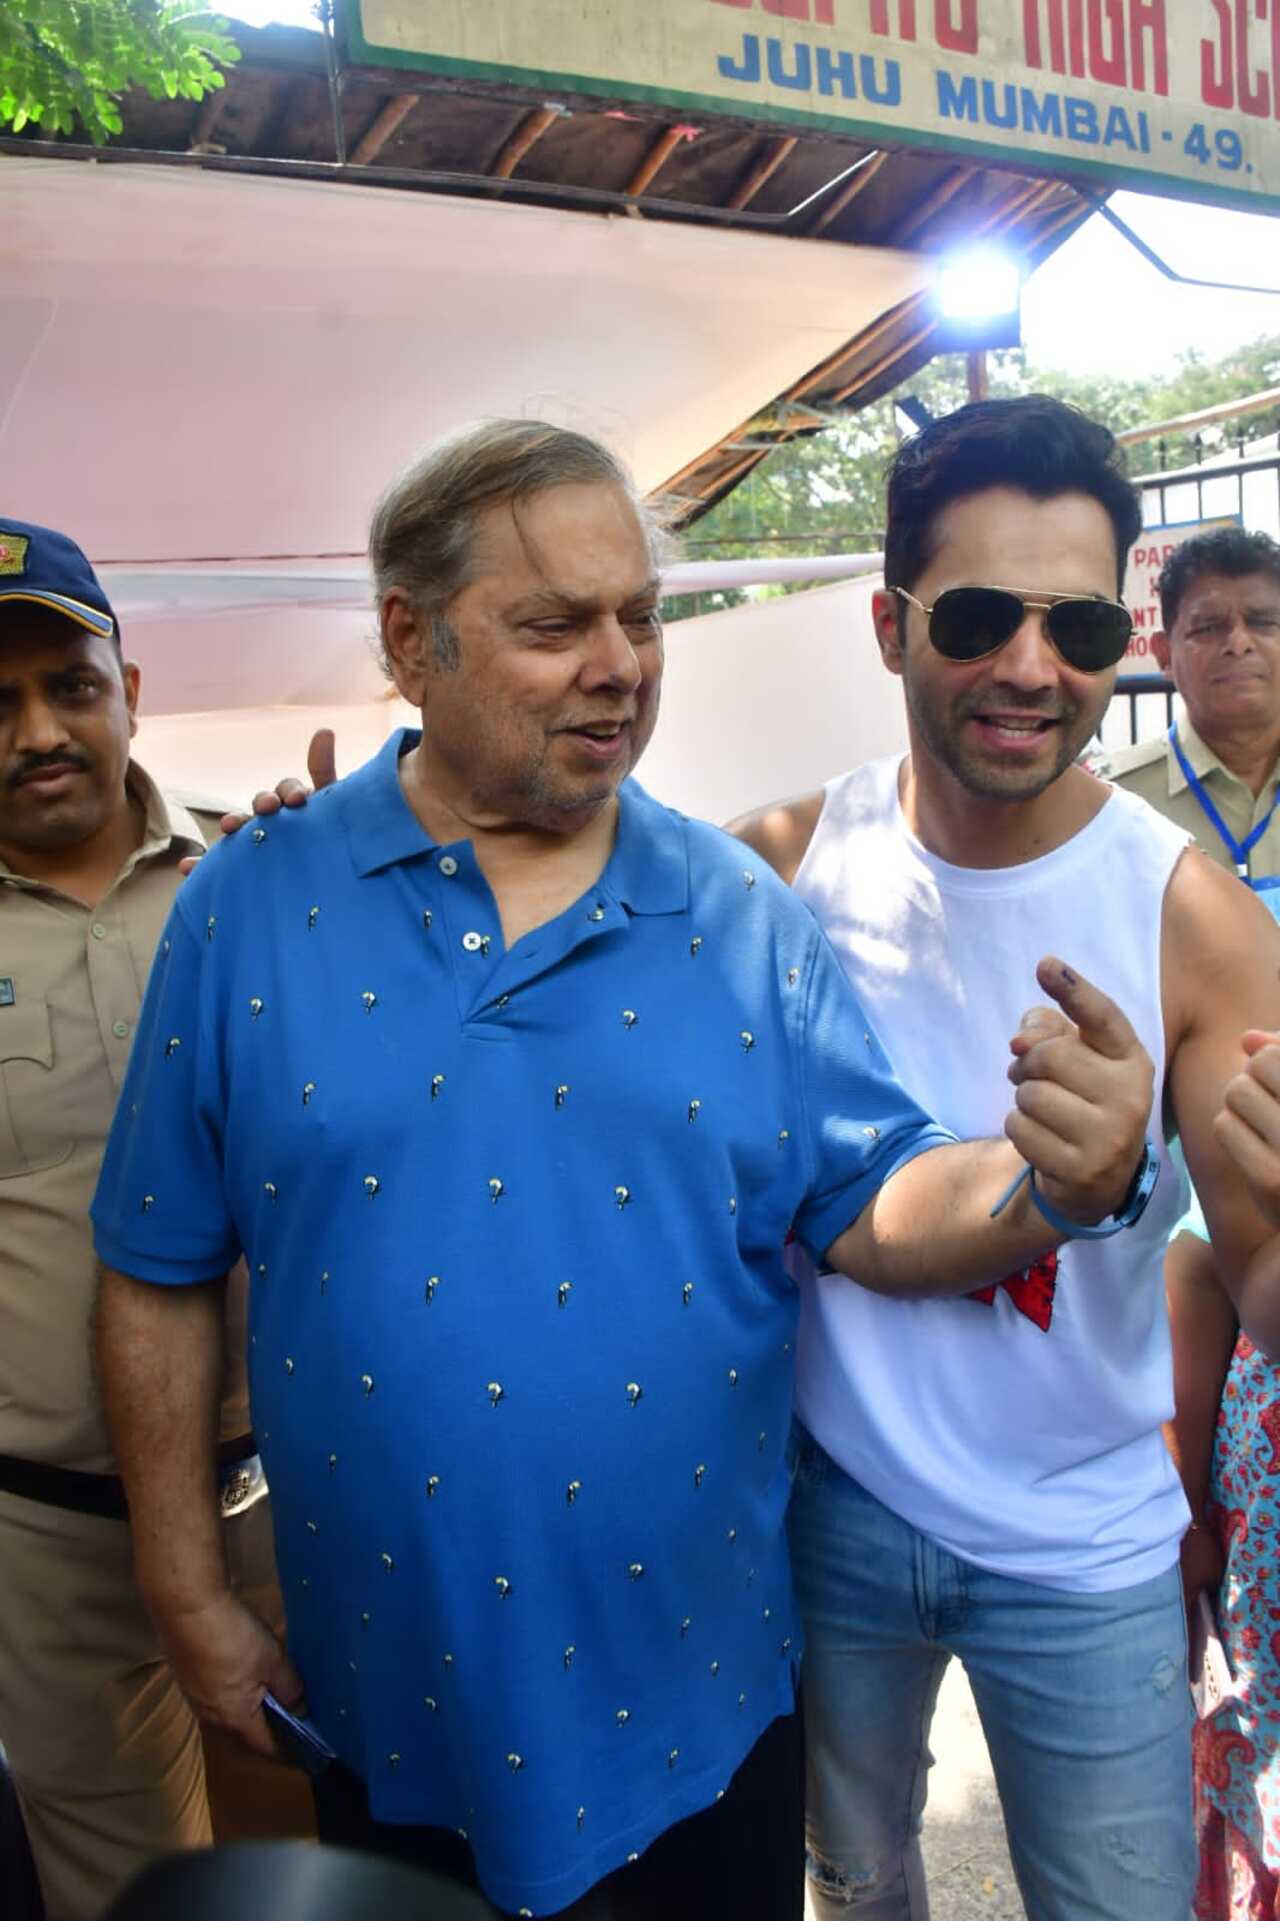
1173,186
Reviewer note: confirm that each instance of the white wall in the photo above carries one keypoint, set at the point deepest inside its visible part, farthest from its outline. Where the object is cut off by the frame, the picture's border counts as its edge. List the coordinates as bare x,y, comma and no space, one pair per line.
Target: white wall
226,757
771,699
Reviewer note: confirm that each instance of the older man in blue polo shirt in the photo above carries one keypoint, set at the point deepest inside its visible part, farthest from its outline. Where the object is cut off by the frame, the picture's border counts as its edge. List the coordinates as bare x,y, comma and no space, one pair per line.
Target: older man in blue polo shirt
510,1084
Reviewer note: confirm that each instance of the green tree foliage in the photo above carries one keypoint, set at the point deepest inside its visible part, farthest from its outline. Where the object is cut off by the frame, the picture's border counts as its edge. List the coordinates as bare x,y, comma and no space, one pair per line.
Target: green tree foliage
68,60
825,492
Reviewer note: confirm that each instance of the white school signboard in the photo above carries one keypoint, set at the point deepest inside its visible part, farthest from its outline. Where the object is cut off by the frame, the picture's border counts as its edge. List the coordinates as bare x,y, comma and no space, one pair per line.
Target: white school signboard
1177,96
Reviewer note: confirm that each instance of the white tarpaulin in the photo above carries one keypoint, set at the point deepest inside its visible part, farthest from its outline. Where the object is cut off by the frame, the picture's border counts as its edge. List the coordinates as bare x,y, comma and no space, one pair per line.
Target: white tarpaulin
206,374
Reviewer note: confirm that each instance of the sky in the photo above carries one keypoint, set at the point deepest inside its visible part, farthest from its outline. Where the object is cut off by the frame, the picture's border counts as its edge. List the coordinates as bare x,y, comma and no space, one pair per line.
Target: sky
1096,305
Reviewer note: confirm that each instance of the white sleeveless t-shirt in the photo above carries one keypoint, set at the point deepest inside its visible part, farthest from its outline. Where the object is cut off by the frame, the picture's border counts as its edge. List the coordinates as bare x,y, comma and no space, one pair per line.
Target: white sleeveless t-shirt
1018,1428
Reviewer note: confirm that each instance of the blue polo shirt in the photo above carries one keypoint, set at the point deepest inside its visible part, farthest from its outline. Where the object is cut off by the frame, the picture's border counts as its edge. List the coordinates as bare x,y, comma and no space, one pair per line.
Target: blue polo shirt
521,1334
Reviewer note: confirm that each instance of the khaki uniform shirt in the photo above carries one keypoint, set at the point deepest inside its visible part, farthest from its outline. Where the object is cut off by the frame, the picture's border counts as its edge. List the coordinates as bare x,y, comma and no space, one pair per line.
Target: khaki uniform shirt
71,984
1151,770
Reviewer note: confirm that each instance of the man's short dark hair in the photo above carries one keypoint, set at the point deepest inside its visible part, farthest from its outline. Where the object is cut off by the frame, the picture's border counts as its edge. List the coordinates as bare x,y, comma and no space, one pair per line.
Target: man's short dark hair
1224,550
1036,444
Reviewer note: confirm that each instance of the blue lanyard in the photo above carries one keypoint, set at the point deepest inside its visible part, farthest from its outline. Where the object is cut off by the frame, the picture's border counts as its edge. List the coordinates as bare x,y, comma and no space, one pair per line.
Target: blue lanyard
1239,850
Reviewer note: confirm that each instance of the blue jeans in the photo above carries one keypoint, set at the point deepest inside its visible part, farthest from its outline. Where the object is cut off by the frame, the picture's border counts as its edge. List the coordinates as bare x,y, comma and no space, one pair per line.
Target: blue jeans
1083,1699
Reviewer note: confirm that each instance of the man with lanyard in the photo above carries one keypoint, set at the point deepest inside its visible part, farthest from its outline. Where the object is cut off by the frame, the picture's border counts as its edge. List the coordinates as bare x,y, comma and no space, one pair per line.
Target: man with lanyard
1215,772
107,1756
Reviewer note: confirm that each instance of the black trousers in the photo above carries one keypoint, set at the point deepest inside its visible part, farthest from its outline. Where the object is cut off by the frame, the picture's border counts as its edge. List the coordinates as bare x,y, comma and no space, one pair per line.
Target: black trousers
743,1857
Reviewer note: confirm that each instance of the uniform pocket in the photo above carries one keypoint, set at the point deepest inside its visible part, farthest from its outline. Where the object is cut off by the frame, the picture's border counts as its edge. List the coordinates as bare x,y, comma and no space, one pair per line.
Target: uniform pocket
30,1137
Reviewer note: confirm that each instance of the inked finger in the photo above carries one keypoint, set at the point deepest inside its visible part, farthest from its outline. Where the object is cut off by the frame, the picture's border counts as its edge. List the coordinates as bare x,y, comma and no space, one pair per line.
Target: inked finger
1101,1023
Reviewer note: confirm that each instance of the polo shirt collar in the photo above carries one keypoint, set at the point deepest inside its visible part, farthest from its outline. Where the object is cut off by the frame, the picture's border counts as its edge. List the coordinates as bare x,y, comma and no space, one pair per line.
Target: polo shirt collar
647,872
381,826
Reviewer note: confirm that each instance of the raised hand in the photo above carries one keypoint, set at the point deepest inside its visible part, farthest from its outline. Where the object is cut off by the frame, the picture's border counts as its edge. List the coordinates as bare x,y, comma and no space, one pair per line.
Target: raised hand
1248,1126
1085,1085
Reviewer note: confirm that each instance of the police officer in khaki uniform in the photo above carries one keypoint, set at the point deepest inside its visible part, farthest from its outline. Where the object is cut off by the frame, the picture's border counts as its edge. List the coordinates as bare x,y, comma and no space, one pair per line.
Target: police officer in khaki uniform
1215,772
107,1756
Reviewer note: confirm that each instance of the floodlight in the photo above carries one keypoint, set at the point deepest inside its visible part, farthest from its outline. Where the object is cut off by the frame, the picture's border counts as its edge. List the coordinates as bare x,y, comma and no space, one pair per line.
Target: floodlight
977,298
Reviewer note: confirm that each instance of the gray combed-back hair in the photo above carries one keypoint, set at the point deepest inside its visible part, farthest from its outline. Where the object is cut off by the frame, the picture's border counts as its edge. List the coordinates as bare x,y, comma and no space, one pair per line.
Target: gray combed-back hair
422,535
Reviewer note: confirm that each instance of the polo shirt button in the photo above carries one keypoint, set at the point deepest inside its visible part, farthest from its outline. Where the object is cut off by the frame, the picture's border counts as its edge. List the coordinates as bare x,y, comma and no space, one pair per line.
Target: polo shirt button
473,942
98,931
120,1029
448,865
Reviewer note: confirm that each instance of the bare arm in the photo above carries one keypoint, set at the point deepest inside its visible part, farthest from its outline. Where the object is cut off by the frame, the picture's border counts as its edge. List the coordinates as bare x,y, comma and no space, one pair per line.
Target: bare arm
780,834
1204,1331
1221,966
1203,1323
160,1367
928,1231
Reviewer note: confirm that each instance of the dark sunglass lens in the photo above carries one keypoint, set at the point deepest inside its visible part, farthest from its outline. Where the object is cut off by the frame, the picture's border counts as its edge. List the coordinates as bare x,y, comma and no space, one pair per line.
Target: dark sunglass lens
1090,634
969,622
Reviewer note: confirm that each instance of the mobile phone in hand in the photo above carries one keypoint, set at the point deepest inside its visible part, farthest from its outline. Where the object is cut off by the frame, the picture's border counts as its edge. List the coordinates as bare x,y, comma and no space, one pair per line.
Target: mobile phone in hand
299,1741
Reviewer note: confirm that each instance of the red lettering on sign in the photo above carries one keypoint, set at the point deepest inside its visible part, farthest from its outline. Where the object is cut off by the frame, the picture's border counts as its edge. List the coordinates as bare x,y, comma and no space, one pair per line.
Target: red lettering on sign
906,18
1104,40
1147,17
957,36
1226,76
1066,36
1106,21
1255,89
1216,84
821,12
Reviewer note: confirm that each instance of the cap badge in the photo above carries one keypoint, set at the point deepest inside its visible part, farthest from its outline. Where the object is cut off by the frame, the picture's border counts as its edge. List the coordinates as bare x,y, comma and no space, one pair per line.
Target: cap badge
13,552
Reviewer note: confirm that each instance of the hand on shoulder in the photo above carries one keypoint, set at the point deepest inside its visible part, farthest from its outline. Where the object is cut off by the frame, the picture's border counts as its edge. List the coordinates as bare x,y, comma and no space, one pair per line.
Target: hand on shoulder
289,792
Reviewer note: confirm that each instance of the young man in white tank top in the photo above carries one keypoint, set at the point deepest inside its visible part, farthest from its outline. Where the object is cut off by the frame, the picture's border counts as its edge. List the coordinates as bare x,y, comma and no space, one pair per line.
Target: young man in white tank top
985,1476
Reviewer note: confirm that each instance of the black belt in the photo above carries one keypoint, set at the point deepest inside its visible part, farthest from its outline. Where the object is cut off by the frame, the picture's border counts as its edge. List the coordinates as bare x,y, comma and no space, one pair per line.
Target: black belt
72,1488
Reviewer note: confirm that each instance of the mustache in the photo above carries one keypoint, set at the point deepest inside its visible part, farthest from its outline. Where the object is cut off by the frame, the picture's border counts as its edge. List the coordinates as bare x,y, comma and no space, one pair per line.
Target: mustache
32,764
1010,700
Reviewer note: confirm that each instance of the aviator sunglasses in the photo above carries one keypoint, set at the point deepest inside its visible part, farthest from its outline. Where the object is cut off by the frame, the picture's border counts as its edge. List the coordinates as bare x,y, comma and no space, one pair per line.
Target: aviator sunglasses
967,623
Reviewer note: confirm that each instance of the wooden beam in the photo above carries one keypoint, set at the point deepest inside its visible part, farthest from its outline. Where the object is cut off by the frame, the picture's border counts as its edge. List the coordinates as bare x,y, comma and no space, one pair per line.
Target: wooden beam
869,338
385,122
1060,217
851,189
526,135
945,191
763,171
877,367
656,158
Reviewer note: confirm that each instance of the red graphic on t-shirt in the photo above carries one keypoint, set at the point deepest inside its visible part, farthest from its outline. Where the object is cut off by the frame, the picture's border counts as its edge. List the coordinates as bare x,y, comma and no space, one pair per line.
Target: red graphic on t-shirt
1031,1291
